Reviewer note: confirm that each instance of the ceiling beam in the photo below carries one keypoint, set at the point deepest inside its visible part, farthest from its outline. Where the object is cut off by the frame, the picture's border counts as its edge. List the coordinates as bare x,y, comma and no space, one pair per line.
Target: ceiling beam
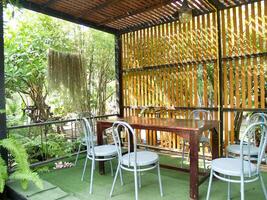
160,22
221,6
97,8
216,3
61,15
49,3
245,3
137,11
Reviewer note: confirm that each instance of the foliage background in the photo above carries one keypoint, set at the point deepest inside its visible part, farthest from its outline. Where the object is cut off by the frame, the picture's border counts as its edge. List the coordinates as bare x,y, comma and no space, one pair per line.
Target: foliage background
28,36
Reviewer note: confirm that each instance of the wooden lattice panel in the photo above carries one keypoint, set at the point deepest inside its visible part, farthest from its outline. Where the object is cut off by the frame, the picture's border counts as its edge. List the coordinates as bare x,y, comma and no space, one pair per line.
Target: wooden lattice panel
166,66
175,65
244,36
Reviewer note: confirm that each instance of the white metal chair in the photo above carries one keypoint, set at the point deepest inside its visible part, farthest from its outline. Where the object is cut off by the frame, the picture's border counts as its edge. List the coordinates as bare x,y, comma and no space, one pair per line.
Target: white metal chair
96,153
240,170
234,149
204,140
83,136
135,162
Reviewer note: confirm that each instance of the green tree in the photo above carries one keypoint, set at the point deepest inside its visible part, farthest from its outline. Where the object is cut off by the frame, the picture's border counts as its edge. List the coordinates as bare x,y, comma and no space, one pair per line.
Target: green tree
27,40
29,36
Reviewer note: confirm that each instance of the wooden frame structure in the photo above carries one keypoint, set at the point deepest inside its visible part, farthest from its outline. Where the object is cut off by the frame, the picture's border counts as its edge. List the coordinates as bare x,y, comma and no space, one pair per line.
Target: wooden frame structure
139,26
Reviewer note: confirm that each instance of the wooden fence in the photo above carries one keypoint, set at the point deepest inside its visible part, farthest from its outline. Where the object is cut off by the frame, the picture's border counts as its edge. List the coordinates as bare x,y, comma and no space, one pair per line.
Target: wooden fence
174,66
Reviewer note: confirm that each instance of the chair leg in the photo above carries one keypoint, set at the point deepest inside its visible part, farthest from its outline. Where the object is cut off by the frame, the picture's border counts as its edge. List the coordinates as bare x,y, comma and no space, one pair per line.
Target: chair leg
160,184
242,189
229,189
111,167
92,176
121,177
209,187
115,178
182,161
263,186
84,168
209,148
77,156
136,184
139,178
204,158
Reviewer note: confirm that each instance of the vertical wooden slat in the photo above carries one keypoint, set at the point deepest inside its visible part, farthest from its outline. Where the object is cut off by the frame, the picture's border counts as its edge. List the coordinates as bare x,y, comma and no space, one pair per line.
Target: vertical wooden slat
224,29
261,39
149,100
127,50
134,66
214,55
265,24
255,64
226,51
247,19
205,86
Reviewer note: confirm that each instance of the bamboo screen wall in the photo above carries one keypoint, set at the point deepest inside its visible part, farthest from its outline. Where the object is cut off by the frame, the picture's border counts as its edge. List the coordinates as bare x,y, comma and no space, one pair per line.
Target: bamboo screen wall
244,38
174,66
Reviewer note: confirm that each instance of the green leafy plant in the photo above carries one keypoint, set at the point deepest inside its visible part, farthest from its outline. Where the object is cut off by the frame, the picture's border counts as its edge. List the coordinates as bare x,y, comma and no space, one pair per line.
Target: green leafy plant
3,174
22,170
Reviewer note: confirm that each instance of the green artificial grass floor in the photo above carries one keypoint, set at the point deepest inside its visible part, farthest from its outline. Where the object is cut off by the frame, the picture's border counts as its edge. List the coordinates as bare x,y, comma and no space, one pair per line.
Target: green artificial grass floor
175,184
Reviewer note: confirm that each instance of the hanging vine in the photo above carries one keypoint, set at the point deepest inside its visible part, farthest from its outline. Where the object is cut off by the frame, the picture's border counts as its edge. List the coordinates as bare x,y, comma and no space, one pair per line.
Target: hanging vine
66,72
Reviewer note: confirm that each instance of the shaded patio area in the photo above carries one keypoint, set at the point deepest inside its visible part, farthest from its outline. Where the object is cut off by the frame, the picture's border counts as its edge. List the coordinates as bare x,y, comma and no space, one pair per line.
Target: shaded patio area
175,184
215,60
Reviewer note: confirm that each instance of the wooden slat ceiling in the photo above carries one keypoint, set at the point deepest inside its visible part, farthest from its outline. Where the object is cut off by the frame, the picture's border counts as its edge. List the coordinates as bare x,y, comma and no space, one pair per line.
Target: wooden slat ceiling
121,15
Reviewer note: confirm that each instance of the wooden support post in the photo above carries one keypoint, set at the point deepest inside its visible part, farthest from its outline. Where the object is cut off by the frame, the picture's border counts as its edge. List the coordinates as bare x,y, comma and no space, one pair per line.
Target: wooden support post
221,91
3,131
118,72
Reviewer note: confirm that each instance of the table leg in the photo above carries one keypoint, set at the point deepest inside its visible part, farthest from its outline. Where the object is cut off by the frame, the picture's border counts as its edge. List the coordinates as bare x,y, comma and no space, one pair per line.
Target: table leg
194,143
215,143
99,130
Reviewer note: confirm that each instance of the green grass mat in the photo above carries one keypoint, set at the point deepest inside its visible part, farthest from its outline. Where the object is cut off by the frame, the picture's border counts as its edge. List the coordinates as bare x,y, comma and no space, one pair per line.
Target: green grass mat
175,184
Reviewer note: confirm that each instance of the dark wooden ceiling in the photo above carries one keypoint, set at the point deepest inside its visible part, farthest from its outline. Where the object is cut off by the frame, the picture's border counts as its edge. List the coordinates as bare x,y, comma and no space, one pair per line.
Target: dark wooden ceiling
121,15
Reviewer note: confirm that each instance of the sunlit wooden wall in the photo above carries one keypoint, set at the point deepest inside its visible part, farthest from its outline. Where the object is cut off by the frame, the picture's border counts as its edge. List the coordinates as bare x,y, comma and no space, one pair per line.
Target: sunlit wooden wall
174,66
244,39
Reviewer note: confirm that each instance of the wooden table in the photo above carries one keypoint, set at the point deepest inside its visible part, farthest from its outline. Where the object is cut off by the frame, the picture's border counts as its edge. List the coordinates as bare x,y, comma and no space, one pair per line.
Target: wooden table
186,128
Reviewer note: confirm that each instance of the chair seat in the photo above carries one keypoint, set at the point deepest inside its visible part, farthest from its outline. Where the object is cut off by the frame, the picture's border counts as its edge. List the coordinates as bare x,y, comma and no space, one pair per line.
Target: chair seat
204,139
232,166
143,158
105,150
235,149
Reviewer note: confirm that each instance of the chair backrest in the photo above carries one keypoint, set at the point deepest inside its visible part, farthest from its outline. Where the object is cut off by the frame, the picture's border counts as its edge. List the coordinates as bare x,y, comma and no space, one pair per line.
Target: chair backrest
254,118
265,115
200,114
91,119
117,127
88,133
248,141
257,117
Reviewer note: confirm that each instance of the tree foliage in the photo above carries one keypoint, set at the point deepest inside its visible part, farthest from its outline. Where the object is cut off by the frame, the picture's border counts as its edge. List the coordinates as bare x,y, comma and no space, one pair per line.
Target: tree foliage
28,36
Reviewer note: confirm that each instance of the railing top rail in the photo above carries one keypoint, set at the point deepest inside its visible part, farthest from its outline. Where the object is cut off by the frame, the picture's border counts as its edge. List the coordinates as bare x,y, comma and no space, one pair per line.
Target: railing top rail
55,122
